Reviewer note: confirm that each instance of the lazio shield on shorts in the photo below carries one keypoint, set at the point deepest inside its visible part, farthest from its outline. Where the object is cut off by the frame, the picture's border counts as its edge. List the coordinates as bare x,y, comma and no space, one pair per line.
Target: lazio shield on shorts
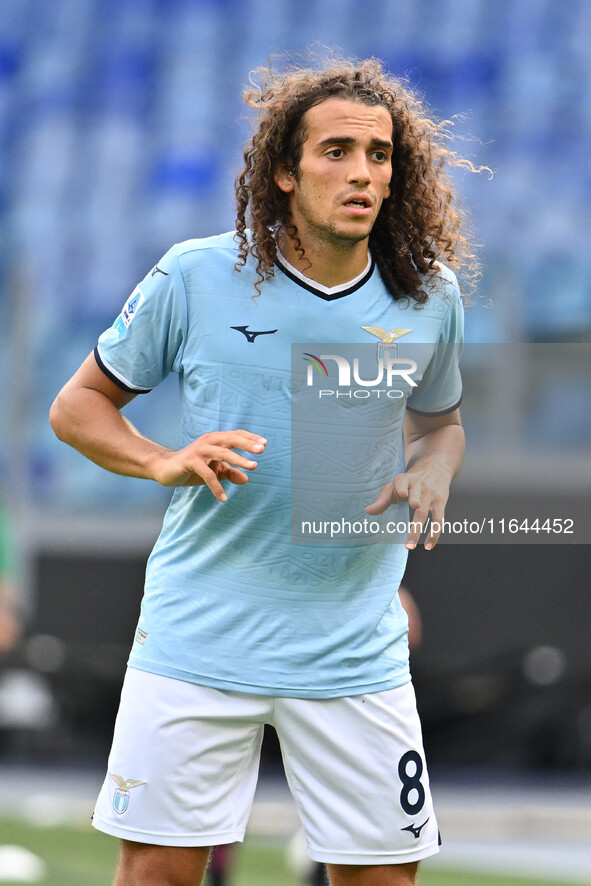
120,801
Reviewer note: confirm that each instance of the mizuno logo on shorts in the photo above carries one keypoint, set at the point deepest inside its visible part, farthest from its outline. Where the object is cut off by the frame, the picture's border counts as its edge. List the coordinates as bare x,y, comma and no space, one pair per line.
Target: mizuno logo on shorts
415,829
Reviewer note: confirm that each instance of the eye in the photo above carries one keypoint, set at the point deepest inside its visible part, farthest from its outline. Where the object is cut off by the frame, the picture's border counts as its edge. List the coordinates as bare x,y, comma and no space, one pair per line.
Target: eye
380,156
335,153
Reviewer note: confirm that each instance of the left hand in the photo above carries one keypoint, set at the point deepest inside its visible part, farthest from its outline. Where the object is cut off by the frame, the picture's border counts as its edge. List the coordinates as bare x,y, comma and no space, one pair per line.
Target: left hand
425,487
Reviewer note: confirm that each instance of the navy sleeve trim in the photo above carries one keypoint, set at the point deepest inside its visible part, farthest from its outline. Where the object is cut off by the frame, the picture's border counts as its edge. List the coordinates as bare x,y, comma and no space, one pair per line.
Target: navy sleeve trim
119,381
438,412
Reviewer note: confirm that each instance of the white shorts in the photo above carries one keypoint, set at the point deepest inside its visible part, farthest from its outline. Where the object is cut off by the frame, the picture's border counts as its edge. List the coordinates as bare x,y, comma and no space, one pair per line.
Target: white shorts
184,766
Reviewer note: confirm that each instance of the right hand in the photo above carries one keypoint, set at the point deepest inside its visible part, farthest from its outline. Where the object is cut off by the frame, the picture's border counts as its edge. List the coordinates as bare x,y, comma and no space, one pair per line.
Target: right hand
209,459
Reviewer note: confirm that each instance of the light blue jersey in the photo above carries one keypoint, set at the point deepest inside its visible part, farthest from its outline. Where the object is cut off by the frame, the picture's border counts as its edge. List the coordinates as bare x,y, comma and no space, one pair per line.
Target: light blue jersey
230,601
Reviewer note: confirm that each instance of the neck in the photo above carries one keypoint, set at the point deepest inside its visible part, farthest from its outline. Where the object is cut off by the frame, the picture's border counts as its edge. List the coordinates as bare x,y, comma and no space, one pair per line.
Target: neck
322,264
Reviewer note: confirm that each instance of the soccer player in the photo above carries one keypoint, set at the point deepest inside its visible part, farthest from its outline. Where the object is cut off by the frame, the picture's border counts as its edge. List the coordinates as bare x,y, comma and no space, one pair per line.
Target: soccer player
346,230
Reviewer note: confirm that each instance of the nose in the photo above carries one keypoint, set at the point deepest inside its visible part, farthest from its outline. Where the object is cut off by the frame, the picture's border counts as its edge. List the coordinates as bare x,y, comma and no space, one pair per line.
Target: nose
359,170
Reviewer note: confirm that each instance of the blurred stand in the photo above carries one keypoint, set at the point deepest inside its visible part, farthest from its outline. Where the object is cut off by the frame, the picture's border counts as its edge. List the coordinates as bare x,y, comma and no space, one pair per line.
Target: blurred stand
116,139
503,677
28,710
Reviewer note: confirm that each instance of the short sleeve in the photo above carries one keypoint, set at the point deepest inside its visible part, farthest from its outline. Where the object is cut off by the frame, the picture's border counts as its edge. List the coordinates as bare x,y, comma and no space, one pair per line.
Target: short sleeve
145,343
440,389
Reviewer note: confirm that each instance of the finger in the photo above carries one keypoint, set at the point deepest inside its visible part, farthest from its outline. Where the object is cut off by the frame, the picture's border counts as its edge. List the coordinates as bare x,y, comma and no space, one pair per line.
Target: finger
239,439
222,454
401,485
206,475
415,495
221,472
433,535
417,523
394,493
435,528
238,478
433,516
382,502
420,514
249,435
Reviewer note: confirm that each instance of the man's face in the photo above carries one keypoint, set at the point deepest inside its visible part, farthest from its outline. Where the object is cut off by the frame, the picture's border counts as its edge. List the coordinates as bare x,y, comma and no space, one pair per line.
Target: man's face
344,172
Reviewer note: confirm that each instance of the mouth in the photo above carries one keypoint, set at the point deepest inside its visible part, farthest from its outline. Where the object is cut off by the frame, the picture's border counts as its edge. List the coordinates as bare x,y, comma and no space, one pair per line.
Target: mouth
358,205
359,202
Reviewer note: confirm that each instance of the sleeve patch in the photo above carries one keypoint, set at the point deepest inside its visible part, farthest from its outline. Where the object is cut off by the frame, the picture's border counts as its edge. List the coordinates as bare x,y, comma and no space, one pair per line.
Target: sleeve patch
130,309
132,306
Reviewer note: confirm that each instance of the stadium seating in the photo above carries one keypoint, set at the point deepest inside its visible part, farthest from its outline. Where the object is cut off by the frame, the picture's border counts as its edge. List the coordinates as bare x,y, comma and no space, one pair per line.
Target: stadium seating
121,124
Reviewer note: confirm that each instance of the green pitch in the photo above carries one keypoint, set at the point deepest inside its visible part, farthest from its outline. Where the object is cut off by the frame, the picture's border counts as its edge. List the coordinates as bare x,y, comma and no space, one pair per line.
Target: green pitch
81,855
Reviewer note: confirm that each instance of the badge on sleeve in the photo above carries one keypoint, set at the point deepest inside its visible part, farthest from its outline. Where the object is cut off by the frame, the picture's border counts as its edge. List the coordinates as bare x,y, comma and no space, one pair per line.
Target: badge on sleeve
130,309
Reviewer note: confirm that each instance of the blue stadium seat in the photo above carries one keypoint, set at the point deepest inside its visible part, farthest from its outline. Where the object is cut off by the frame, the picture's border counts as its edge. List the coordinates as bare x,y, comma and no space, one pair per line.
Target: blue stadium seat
121,130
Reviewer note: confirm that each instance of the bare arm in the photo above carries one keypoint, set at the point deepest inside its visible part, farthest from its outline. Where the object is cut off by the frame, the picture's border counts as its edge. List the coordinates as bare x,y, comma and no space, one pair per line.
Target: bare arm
434,453
87,415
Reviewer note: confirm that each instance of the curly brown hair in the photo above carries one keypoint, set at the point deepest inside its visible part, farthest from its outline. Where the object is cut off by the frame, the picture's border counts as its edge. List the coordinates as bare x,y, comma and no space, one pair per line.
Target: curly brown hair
420,222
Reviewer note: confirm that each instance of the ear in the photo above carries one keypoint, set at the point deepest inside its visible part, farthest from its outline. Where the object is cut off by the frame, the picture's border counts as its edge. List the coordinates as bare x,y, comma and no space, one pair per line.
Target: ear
284,179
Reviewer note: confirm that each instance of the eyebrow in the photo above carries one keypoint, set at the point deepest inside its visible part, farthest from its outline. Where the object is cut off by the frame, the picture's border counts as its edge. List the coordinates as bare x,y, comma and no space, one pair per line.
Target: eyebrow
349,140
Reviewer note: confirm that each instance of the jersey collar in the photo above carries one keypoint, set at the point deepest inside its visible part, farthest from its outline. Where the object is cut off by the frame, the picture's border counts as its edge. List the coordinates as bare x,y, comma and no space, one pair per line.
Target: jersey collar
328,293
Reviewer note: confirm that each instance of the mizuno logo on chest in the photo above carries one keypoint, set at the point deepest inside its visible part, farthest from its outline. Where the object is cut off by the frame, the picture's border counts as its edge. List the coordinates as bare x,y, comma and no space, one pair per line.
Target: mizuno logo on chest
251,335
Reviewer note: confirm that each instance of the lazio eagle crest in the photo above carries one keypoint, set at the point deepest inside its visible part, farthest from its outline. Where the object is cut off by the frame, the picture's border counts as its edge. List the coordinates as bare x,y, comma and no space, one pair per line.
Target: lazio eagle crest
387,340
121,796
386,337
